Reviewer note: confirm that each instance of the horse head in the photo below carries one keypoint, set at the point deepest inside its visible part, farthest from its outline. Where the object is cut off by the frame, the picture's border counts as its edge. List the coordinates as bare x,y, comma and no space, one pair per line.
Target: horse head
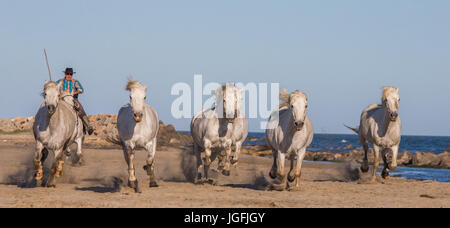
137,99
228,102
297,103
390,100
51,96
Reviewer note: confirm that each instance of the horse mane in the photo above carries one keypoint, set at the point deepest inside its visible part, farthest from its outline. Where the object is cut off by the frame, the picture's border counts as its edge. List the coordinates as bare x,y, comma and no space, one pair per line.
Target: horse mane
388,90
286,98
132,84
222,90
47,85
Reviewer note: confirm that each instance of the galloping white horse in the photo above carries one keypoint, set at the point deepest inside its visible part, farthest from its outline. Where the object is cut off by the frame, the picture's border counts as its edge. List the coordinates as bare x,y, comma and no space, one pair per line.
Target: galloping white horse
381,126
138,126
220,127
289,136
56,127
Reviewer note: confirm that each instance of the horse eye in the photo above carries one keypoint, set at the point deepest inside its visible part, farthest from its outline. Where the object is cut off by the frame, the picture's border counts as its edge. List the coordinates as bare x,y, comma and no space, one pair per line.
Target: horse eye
145,98
130,97
292,106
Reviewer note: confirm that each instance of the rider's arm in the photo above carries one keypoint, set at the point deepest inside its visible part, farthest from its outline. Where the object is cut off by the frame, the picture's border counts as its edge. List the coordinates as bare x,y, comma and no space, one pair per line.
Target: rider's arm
78,88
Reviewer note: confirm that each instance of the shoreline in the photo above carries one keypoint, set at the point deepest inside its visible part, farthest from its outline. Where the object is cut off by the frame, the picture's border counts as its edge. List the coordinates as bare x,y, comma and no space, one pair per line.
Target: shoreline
18,131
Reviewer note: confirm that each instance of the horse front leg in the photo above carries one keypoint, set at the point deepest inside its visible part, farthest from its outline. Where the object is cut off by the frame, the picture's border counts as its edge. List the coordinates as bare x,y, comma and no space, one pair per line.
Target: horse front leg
150,167
298,167
376,151
237,151
132,180
38,161
281,175
207,160
226,169
385,172
57,168
389,167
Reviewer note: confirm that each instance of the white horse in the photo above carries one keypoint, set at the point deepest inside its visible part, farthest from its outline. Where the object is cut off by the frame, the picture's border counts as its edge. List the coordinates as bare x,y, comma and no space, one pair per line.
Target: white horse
289,135
56,127
220,127
381,126
138,126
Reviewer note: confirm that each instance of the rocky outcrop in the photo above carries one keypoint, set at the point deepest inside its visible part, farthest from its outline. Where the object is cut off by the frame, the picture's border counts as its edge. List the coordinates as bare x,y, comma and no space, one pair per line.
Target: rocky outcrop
16,124
105,126
425,159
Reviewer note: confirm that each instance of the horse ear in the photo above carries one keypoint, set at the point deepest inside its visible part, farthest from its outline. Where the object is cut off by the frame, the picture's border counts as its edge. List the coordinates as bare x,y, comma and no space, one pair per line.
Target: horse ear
145,88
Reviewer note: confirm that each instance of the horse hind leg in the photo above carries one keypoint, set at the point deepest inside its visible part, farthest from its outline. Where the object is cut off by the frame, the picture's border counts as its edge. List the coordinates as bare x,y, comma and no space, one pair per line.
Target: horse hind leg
80,158
273,171
198,157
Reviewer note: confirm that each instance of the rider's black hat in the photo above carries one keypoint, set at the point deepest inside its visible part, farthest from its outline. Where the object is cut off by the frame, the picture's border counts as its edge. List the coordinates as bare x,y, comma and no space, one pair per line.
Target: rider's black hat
69,71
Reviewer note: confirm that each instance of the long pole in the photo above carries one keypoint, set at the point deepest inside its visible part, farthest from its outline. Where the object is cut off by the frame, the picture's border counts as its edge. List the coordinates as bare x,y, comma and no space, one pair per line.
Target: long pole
48,67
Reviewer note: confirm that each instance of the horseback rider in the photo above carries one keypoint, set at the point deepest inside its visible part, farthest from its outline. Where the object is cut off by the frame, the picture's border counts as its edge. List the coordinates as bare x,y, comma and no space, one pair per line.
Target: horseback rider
74,87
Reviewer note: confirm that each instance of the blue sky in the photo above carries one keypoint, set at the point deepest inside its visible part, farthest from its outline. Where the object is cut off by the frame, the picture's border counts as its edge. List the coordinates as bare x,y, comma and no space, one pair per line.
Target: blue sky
338,52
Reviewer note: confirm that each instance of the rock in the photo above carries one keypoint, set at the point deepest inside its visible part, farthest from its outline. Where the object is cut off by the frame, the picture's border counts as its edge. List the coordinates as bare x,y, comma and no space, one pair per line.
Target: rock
425,159
355,155
404,158
261,148
323,156
445,160
309,156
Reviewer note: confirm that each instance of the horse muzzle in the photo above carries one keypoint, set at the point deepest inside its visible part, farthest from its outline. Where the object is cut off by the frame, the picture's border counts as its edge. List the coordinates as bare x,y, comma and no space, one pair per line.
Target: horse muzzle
51,109
137,117
230,120
299,125
394,116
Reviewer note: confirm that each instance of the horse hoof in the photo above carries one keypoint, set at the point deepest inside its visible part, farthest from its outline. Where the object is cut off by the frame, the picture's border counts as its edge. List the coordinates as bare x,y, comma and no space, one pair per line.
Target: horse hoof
39,183
198,181
226,172
385,175
364,169
211,181
273,176
153,184
291,179
52,185
58,174
134,185
278,187
294,189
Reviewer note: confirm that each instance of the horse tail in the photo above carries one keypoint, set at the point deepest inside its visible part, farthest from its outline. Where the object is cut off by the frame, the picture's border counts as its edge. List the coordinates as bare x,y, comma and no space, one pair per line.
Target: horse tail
353,129
114,140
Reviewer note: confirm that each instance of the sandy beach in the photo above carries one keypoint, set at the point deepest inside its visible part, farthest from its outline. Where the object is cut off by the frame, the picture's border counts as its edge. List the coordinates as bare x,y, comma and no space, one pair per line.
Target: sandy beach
101,183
